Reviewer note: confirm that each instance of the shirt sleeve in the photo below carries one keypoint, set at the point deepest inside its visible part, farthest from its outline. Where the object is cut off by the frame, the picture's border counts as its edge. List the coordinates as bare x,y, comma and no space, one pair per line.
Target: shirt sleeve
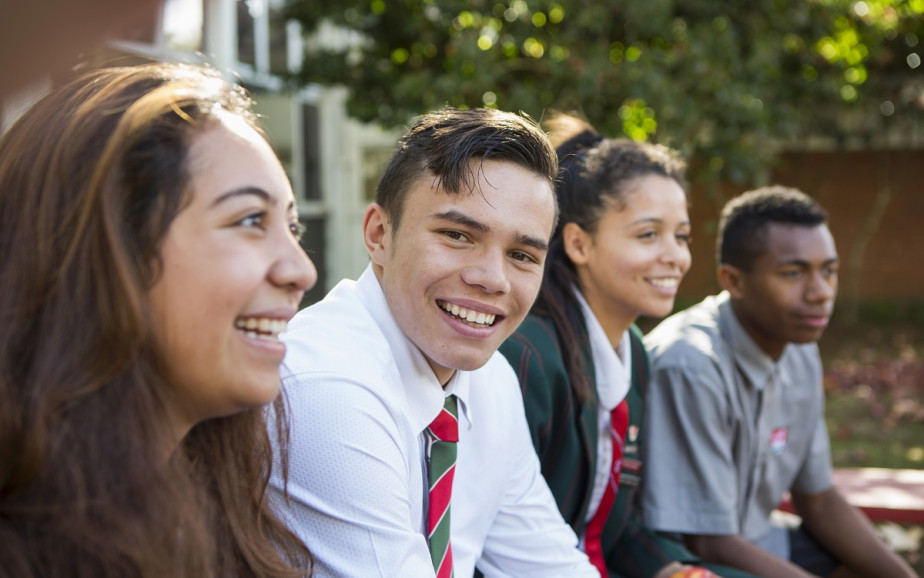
815,476
349,478
690,485
528,537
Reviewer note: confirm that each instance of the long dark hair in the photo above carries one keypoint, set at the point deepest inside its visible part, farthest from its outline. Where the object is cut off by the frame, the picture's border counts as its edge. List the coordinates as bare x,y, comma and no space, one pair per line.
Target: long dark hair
91,481
596,173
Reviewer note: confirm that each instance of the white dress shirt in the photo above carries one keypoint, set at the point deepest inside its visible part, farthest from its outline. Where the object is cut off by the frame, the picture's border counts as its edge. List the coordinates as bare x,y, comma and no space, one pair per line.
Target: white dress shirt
360,395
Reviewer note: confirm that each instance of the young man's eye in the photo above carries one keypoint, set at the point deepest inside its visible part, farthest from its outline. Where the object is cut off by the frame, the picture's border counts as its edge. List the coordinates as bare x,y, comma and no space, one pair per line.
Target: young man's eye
522,257
455,235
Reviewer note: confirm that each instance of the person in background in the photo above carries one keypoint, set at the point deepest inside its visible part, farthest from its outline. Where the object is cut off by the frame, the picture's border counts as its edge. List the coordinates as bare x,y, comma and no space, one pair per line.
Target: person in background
411,454
736,405
620,250
150,262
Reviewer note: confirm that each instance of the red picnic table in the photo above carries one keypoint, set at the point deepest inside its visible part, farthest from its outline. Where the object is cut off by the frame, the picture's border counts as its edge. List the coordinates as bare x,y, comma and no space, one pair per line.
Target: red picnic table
883,494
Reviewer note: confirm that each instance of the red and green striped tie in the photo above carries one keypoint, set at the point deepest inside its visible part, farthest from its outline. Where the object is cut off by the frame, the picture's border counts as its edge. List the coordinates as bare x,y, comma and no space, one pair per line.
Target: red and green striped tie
443,434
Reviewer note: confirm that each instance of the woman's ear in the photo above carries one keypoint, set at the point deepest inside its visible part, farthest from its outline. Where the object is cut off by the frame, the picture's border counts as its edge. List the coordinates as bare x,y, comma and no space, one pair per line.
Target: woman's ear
376,229
576,242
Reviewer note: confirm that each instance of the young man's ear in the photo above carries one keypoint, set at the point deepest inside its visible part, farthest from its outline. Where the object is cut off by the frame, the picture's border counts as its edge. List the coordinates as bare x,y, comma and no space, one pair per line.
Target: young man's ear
731,279
576,242
376,227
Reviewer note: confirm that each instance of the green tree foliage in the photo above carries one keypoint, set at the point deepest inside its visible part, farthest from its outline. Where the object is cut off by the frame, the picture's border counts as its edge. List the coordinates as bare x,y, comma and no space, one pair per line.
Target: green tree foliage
725,82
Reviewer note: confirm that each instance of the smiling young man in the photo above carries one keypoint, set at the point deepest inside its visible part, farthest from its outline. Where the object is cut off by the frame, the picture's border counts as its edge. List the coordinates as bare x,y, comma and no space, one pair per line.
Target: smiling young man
736,407
457,237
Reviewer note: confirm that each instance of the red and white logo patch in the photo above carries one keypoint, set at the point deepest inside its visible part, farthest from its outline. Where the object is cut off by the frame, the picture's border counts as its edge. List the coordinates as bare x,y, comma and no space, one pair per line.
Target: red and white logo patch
778,439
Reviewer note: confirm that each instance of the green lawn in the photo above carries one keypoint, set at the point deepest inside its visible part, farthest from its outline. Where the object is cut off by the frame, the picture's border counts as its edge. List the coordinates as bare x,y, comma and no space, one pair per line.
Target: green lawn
859,439
874,385
874,381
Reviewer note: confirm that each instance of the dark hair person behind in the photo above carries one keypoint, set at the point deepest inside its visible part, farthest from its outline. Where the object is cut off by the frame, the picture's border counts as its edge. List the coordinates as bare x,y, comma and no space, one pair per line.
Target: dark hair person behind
150,260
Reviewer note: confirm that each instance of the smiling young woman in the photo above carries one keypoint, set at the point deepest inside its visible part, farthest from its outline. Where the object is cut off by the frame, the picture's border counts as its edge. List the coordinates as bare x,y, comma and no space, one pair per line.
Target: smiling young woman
150,261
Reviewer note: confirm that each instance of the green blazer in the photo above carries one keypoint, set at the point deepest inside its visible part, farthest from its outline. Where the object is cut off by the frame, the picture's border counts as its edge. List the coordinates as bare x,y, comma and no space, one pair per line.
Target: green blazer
564,433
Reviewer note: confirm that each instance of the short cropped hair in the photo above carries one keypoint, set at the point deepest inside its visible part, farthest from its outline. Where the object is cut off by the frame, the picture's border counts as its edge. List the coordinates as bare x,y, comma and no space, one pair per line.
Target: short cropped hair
442,143
743,224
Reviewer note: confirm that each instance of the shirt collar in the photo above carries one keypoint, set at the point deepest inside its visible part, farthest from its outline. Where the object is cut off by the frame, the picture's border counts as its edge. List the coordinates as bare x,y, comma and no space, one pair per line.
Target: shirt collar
460,386
611,370
425,394
758,367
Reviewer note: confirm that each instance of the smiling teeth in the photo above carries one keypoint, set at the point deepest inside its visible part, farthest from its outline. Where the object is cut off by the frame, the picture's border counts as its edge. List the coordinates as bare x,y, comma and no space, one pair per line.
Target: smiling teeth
472,317
261,327
666,283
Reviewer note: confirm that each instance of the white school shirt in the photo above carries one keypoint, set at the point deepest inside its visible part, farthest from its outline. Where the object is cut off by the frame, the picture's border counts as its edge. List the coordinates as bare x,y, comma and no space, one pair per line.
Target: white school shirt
360,395
612,371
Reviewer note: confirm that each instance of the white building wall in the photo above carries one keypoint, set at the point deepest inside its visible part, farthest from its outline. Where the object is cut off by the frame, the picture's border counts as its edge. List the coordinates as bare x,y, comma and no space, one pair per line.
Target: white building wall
345,143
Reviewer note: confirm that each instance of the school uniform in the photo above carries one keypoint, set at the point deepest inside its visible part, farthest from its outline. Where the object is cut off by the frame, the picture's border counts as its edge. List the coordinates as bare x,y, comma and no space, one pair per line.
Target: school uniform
565,434
740,428
360,396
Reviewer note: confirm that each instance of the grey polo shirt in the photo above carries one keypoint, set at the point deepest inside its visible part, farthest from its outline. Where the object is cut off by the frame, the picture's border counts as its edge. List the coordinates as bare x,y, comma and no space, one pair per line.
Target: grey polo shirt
728,430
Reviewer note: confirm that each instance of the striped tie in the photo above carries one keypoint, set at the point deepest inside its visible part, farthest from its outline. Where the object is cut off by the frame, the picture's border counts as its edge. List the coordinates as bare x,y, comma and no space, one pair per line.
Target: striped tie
443,434
619,422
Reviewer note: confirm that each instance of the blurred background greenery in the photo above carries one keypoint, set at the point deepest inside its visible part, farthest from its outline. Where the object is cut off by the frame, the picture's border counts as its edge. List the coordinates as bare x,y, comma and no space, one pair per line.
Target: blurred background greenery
724,82
874,380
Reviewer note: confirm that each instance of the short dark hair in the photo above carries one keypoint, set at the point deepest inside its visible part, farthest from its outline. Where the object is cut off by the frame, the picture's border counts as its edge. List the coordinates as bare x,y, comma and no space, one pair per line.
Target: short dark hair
743,224
442,144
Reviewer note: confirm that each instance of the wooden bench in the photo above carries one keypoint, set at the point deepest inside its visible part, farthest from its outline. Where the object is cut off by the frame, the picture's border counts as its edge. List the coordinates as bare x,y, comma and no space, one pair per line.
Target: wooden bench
884,495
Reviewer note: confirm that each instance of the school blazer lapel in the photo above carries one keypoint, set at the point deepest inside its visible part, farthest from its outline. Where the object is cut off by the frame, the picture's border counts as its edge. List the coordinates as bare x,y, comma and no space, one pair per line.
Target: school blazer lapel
587,417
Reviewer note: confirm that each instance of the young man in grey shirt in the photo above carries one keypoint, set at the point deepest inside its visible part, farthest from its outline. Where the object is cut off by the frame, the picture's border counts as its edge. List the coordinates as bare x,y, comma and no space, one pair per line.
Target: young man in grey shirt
736,407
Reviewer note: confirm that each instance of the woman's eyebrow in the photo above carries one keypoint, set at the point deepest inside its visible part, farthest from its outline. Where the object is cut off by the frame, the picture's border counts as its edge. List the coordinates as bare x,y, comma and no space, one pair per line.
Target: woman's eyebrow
255,191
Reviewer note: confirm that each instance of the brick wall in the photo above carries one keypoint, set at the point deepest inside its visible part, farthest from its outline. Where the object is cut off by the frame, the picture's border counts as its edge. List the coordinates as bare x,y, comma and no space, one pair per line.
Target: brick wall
846,184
